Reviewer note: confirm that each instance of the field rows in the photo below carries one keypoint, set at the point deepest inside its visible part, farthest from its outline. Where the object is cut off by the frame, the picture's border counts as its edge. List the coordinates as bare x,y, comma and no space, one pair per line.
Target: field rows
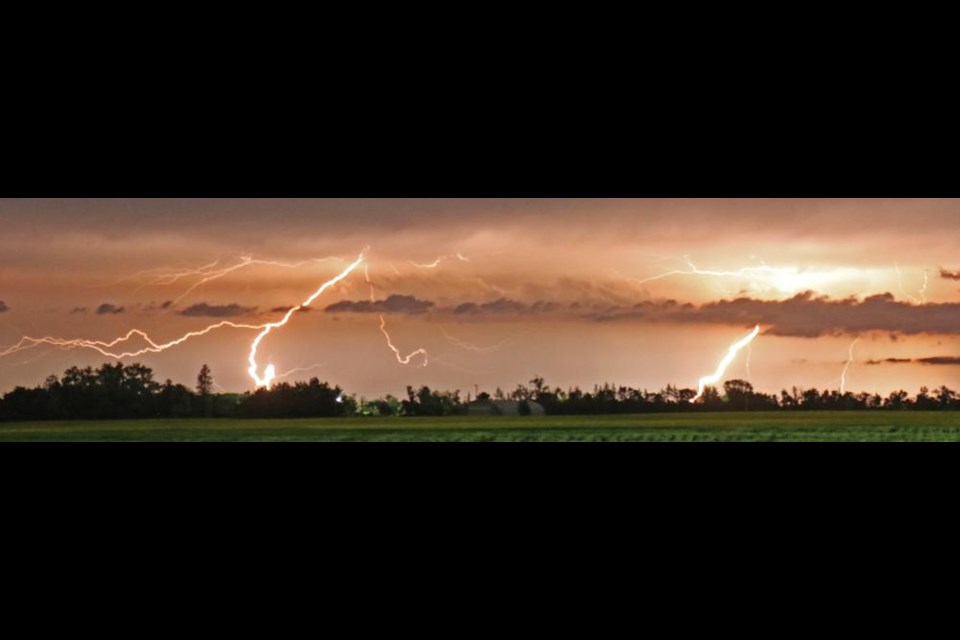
779,426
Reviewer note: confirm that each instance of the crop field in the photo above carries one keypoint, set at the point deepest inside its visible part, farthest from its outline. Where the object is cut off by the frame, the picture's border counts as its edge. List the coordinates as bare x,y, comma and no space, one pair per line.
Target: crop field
857,426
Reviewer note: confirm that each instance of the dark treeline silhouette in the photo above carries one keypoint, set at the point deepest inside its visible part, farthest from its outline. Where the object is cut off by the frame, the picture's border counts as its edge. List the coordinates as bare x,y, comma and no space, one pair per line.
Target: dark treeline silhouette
115,391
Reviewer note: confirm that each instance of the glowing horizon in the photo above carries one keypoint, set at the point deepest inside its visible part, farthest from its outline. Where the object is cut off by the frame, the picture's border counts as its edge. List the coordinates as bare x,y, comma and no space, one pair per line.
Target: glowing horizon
496,291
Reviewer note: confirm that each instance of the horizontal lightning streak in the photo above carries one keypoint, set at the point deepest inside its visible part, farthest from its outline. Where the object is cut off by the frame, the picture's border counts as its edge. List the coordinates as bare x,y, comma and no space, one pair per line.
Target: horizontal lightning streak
244,262
286,374
472,347
166,276
695,271
436,263
107,348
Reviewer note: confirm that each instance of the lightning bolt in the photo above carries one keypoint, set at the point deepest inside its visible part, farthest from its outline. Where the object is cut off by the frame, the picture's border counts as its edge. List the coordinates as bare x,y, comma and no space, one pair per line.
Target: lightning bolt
695,271
281,376
108,348
846,367
270,372
164,273
436,263
401,359
105,348
783,279
366,276
244,262
923,287
209,273
727,359
900,283
472,347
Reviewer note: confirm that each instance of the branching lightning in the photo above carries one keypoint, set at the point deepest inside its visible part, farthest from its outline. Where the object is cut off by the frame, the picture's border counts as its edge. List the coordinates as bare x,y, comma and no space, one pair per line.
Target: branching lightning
245,261
110,350
727,359
165,276
106,348
396,352
270,372
162,275
784,279
695,271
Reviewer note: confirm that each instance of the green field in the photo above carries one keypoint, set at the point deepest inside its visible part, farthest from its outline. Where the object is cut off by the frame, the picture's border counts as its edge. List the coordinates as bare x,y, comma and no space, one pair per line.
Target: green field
860,426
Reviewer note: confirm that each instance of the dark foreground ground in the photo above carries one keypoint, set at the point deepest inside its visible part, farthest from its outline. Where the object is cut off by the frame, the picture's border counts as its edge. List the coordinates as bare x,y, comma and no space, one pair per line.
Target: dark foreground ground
714,427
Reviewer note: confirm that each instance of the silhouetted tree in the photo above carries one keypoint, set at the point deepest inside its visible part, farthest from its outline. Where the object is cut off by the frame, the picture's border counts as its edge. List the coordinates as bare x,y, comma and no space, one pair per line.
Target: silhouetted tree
204,381
115,390
896,400
947,398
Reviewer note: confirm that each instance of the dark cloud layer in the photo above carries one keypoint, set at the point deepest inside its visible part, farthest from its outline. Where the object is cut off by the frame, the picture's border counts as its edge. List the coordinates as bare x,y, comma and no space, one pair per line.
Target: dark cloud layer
393,304
949,275
202,309
948,360
287,308
107,309
933,360
153,306
506,306
806,315
497,306
238,218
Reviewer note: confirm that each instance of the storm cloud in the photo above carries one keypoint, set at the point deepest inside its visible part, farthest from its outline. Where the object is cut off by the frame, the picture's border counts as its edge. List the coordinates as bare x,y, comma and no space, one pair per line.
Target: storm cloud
947,360
949,275
502,305
202,309
393,304
107,309
3,306
287,308
806,315
933,360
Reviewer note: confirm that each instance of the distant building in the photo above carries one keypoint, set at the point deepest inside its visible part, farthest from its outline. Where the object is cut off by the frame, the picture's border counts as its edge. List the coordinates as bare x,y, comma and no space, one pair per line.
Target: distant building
502,408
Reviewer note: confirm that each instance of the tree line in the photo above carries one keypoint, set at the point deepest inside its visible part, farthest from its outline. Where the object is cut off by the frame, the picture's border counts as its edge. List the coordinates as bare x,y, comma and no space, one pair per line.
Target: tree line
118,391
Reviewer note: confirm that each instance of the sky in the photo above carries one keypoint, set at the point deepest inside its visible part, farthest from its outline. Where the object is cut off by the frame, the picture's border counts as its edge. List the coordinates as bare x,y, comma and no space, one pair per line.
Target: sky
487,293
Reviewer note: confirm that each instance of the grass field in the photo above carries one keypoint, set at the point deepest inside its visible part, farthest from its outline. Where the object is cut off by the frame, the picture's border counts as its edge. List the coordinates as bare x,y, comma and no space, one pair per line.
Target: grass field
710,427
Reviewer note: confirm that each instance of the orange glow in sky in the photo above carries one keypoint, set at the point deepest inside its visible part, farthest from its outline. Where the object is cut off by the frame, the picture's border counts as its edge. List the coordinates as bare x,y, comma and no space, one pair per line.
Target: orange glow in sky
636,292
